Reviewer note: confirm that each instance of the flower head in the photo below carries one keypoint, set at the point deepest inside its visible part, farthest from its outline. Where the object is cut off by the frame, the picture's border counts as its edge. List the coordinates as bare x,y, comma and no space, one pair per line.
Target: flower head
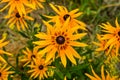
63,14
4,72
39,68
103,76
29,55
60,39
112,35
102,44
16,4
18,20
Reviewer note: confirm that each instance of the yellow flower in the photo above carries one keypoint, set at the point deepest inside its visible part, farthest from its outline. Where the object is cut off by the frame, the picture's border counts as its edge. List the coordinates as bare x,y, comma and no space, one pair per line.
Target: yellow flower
16,4
63,14
60,39
2,44
104,77
29,55
112,35
18,20
4,73
102,44
39,68
37,3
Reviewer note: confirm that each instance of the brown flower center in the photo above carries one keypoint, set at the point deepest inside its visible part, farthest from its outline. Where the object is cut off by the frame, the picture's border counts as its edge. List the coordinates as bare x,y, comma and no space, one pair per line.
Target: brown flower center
66,16
60,40
33,56
0,74
119,33
41,67
17,15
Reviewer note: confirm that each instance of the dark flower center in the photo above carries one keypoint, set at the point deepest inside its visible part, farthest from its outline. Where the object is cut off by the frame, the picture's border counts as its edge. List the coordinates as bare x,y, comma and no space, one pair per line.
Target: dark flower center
119,33
66,16
17,15
41,67
0,74
33,56
60,40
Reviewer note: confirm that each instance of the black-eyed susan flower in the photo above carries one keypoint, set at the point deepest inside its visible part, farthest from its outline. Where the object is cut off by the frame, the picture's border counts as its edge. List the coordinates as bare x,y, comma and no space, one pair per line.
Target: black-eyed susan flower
37,3
63,14
39,68
29,55
2,44
19,21
60,39
101,46
112,35
16,4
103,76
4,72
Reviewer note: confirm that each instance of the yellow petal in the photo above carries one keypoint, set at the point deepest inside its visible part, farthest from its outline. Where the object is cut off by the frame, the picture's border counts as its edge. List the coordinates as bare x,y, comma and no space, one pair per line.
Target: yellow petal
2,59
40,5
97,77
50,54
116,22
91,77
3,52
42,35
78,44
54,8
63,58
111,41
47,49
22,24
29,18
42,42
74,52
73,11
77,36
77,14
65,25
102,73
12,8
5,7
70,56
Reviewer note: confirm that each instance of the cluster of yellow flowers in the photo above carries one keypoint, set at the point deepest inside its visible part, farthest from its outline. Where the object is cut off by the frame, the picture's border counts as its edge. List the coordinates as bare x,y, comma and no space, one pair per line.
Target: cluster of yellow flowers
58,41
18,11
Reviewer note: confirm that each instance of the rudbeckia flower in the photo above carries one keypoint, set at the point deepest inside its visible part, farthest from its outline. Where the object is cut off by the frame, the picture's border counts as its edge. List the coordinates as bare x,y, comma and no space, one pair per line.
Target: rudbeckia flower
101,46
39,69
112,35
4,72
63,14
103,76
16,4
60,39
37,3
29,55
18,20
